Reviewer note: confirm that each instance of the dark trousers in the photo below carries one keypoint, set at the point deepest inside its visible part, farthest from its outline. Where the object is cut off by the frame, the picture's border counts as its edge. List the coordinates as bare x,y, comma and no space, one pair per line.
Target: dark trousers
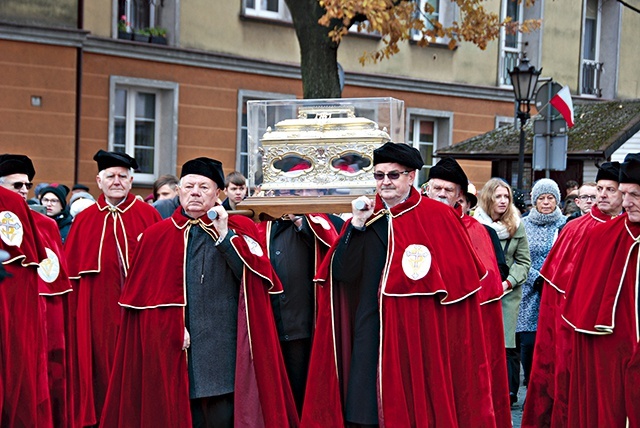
527,341
513,371
296,354
212,412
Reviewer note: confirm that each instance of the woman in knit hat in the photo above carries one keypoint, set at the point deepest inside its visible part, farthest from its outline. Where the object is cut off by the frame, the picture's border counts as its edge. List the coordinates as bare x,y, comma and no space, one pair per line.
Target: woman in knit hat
542,226
54,199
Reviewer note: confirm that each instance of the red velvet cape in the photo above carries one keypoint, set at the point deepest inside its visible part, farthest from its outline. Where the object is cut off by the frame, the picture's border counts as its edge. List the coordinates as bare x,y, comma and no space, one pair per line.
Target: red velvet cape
150,383
99,250
549,379
605,363
433,370
54,287
491,309
24,393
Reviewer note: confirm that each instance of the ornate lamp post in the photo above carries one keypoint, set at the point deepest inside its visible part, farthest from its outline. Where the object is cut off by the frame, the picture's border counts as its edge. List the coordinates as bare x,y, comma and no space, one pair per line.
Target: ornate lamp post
524,79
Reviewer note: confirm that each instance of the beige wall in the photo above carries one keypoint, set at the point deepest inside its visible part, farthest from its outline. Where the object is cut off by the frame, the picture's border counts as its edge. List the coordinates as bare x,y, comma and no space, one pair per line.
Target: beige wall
98,17
561,57
628,76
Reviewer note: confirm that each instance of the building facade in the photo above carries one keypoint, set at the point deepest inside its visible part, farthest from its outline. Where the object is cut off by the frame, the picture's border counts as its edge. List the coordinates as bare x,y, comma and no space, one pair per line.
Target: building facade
81,76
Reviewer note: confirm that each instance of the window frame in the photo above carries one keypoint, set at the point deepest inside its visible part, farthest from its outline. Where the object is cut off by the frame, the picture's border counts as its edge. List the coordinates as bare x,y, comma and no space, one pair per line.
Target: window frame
283,13
504,80
442,133
166,123
446,12
245,95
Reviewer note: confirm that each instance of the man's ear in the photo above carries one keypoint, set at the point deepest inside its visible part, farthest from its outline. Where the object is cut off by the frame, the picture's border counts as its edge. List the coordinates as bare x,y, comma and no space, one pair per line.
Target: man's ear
98,181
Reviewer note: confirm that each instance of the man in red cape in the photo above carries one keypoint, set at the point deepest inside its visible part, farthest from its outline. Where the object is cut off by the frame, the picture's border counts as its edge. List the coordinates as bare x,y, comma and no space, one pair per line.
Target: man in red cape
449,184
99,248
159,371
296,245
24,395
605,362
547,390
53,287
399,339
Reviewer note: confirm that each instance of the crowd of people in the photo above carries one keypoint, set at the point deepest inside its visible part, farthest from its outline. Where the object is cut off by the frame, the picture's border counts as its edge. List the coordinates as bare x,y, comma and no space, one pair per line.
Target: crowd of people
417,309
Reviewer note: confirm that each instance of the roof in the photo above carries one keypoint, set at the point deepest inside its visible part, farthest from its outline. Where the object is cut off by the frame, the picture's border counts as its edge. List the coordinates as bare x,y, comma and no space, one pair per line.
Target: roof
600,129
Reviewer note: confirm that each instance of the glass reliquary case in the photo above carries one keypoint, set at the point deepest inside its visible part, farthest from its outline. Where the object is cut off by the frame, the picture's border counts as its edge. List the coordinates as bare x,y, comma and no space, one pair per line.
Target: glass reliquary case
315,155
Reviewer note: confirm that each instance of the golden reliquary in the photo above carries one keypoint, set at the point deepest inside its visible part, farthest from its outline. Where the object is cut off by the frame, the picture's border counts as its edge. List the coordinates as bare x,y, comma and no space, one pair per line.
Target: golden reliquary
322,153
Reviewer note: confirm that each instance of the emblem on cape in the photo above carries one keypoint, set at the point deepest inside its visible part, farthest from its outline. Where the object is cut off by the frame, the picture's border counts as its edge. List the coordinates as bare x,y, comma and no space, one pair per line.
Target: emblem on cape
50,267
416,261
11,230
321,221
254,247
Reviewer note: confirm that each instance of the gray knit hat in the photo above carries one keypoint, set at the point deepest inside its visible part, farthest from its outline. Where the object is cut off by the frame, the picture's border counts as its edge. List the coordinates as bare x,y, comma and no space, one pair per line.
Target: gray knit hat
544,186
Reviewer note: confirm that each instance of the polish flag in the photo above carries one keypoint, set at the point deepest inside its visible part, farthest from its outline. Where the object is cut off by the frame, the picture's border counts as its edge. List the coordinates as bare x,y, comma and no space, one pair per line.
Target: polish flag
562,102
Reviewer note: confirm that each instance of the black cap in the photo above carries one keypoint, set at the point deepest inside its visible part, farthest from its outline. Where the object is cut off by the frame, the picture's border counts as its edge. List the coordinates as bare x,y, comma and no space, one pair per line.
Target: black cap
79,186
206,167
60,190
110,159
400,153
16,164
449,170
630,169
608,171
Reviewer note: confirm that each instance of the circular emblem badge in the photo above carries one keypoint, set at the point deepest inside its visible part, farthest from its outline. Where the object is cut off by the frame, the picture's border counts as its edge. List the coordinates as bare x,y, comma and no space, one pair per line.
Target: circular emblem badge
254,247
50,267
416,261
11,230
321,221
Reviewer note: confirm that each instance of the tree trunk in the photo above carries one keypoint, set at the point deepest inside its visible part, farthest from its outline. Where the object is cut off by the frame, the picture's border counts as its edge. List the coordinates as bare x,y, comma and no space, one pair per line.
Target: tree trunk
318,53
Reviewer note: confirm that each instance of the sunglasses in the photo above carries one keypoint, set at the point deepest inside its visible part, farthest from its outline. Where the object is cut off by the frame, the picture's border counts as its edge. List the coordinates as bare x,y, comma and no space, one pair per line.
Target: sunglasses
393,175
18,185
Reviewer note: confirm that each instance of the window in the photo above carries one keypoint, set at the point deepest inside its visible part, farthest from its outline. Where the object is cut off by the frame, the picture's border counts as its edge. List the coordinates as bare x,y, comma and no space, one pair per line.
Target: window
271,9
443,12
591,68
242,149
427,130
139,13
510,44
142,124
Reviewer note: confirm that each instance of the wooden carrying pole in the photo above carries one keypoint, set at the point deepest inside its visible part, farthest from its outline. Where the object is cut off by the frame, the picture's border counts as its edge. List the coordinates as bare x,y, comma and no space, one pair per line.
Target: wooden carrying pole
266,208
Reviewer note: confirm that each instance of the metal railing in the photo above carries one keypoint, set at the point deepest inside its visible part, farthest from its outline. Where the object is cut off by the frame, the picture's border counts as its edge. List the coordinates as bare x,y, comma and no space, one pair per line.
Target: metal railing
509,62
591,71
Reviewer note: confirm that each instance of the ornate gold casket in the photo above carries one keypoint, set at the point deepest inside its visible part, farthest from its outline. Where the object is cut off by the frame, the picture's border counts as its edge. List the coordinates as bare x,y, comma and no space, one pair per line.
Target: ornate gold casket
315,155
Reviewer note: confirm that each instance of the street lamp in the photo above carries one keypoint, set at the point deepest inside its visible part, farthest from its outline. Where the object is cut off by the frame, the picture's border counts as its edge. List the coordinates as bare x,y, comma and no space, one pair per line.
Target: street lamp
524,79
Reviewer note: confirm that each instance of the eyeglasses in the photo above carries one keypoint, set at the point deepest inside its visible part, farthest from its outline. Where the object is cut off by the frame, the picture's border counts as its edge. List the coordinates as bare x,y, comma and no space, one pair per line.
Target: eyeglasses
393,175
588,197
46,201
18,185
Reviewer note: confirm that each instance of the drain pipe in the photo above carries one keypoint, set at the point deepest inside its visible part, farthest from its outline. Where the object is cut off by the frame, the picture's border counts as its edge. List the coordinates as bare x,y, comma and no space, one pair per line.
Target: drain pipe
79,72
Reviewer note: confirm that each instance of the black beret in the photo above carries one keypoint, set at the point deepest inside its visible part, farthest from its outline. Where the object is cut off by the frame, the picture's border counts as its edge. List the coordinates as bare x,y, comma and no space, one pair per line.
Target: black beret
608,171
400,153
630,169
79,186
449,170
60,190
16,164
206,167
110,159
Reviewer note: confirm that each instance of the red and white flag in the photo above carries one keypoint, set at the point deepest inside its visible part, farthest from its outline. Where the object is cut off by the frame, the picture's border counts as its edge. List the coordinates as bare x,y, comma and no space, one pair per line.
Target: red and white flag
562,102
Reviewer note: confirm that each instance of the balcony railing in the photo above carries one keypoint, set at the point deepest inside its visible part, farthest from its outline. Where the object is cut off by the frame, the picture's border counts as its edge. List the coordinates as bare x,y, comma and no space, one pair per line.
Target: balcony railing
591,71
509,62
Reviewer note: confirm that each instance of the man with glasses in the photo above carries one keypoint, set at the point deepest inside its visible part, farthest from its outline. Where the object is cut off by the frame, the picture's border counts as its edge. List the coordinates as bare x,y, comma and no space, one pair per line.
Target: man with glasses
549,379
100,249
16,174
587,196
399,336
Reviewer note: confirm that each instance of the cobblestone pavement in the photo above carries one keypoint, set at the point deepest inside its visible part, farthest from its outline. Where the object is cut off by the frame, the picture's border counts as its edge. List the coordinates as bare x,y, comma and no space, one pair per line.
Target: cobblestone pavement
516,409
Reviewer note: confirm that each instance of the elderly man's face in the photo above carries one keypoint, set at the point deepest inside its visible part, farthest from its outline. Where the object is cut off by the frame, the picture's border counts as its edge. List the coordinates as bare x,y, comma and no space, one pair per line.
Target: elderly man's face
115,183
631,200
393,190
444,191
197,194
12,180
